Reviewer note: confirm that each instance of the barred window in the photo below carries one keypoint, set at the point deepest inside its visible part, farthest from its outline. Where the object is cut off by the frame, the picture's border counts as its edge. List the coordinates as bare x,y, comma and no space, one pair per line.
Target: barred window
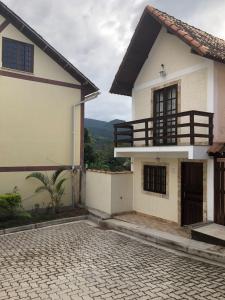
155,179
17,55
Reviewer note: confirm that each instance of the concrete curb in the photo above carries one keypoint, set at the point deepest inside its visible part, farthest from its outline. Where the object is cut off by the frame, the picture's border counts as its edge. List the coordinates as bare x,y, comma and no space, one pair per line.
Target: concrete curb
192,247
42,224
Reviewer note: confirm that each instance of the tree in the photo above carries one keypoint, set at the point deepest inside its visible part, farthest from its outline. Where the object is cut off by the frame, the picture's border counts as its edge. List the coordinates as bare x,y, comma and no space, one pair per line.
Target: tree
53,185
102,158
90,156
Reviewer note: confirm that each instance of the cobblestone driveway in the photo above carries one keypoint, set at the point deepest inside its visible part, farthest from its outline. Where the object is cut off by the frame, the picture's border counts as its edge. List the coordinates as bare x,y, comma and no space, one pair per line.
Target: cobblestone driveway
78,261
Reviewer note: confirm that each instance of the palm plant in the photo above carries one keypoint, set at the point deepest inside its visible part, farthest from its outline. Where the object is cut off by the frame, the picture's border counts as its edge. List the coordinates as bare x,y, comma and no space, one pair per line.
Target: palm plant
53,185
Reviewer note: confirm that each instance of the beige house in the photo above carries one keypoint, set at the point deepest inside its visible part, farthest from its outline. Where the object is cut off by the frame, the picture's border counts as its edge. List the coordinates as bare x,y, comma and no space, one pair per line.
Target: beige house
42,109
175,74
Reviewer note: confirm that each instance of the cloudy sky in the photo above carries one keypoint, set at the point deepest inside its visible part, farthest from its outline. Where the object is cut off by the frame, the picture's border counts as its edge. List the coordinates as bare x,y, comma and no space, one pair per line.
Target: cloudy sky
94,35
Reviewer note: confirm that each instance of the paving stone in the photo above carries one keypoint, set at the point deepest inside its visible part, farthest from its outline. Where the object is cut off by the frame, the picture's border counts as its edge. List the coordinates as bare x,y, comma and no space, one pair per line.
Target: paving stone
78,261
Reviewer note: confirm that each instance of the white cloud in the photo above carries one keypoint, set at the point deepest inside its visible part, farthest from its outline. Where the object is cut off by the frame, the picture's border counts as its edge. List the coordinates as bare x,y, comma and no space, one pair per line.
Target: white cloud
94,34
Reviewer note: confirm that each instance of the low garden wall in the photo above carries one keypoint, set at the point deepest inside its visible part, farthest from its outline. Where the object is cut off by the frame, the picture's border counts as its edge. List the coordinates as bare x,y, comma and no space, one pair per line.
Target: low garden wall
109,192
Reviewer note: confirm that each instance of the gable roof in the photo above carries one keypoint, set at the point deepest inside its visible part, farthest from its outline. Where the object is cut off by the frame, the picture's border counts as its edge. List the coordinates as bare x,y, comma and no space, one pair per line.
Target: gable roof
30,33
148,28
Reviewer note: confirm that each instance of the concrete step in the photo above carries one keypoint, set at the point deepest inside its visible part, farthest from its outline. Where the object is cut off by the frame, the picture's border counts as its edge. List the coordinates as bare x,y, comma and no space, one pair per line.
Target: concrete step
98,214
171,241
210,233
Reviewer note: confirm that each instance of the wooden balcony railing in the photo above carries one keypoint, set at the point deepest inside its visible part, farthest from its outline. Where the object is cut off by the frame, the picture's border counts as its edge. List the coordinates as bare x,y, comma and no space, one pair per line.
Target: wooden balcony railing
190,127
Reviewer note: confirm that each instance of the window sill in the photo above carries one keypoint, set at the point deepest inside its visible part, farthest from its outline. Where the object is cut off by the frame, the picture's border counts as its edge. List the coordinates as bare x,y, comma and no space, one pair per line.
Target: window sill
156,195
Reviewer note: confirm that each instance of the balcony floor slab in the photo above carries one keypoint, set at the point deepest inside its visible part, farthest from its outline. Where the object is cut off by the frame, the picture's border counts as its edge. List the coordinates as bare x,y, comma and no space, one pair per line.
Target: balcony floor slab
188,152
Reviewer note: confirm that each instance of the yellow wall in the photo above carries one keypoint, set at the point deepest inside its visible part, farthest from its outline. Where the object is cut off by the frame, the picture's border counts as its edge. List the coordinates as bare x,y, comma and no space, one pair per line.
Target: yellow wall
161,206
27,187
43,65
2,19
36,122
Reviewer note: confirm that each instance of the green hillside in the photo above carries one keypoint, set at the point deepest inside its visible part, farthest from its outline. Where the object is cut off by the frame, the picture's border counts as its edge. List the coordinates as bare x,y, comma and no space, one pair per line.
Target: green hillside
101,131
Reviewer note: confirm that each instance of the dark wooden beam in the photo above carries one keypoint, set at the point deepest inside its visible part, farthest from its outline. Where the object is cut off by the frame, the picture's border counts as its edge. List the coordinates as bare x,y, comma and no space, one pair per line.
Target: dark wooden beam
32,168
39,79
4,25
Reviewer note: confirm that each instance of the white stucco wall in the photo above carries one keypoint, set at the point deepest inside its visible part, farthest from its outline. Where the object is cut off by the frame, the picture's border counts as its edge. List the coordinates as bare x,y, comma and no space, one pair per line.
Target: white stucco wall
98,191
187,70
161,206
219,120
200,84
121,192
109,192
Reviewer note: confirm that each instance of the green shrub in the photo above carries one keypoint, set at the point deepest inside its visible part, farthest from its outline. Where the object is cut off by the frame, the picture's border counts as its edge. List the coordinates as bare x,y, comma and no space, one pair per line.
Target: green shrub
23,215
10,205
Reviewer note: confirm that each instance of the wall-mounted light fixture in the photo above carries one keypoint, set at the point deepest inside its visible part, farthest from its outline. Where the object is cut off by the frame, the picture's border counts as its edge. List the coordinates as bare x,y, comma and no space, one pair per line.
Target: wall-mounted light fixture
162,72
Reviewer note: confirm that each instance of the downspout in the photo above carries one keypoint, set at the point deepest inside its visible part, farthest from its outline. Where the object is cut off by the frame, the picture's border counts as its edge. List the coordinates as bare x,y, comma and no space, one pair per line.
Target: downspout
73,155
84,99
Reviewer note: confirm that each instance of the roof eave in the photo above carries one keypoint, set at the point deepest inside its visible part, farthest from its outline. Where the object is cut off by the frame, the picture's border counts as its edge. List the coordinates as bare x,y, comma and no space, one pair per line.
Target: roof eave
87,86
118,85
125,88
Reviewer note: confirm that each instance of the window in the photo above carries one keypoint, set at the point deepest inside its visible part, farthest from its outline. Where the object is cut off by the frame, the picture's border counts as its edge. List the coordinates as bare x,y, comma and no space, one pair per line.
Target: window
17,55
155,179
165,104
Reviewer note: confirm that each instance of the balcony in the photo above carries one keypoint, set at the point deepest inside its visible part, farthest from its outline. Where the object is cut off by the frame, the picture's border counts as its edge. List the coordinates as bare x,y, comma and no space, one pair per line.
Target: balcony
184,131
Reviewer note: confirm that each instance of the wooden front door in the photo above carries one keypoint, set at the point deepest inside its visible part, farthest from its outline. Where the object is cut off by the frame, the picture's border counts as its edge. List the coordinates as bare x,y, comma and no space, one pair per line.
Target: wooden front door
191,193
219,191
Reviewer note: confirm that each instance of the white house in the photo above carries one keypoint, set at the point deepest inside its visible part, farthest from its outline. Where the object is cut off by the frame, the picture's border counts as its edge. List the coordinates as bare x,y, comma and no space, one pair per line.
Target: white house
175,74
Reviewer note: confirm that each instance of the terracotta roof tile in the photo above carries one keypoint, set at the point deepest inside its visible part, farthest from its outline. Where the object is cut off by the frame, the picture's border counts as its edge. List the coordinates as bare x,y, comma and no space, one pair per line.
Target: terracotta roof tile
216,148
144,38
203,49
204,43
174,27
196,43
168,23
188,38
182,33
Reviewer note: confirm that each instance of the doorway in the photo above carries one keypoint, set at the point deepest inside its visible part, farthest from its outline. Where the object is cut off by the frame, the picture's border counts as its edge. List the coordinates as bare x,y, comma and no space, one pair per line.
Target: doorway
191,193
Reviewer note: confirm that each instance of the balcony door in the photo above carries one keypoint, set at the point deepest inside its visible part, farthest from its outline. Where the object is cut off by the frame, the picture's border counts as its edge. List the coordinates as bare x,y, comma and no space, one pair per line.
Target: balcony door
165,104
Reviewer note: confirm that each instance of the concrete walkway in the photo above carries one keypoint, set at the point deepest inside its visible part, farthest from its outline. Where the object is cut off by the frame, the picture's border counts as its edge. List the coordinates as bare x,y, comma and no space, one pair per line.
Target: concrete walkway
154,223
200,249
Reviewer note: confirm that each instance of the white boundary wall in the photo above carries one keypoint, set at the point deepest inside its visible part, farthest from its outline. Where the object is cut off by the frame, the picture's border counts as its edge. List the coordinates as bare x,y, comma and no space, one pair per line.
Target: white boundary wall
109,192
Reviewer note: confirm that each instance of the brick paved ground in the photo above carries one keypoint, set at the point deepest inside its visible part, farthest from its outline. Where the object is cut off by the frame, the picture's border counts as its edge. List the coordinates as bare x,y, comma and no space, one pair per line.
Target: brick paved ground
78,261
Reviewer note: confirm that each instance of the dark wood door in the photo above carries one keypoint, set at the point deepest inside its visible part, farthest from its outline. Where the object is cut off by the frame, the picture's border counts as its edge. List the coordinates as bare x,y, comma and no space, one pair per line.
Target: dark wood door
219,191
191,193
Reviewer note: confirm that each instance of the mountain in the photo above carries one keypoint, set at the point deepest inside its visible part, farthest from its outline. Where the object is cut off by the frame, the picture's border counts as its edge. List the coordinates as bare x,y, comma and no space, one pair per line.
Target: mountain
101,131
